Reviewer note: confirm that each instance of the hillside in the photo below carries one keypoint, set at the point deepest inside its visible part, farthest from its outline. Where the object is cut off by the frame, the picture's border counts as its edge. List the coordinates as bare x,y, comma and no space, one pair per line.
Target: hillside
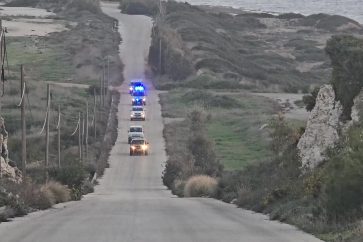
261,51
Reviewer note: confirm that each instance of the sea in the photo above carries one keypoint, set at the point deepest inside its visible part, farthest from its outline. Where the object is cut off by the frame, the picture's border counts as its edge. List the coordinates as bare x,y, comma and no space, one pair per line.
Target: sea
349,8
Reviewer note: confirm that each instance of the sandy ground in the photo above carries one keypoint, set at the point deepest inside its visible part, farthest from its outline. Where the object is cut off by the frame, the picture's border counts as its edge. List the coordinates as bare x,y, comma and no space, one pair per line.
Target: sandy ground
68,84
30,21
25,11
287,103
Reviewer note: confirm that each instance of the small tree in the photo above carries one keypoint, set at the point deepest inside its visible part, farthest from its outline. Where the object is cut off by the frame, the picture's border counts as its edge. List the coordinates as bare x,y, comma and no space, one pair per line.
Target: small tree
346,54
310,99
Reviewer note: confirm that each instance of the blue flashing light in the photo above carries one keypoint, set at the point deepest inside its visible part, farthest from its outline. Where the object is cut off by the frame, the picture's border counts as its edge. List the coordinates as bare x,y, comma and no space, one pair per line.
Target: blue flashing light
139,88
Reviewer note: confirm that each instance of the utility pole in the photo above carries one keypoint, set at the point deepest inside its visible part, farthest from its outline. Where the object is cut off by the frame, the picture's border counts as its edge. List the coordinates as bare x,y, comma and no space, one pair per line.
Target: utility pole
79,138
104,84
94,114
108,74
160,42
2,52
59,137
101,91
23,121
82,137
86,126
47,134
1,58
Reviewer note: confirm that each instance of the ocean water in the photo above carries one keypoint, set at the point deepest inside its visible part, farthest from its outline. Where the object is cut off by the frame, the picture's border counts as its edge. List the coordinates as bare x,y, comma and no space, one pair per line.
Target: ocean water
350,8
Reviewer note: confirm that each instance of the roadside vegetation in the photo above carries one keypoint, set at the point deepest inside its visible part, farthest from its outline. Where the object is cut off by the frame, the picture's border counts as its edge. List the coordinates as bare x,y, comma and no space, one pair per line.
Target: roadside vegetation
261,52
64,59
210,73
140,7
268,178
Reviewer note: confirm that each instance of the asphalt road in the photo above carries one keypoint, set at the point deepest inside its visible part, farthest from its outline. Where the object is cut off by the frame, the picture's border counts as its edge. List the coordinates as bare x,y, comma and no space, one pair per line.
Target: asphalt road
131,204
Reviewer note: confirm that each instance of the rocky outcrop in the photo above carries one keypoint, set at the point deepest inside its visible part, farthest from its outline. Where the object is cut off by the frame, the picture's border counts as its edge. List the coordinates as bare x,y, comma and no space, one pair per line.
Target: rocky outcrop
322,130
9,172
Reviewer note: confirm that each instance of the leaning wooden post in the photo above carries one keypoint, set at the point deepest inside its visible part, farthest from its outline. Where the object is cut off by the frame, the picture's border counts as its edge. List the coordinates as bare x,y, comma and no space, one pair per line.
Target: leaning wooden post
59,137
79,138
47,134
94,114
23,121
86,131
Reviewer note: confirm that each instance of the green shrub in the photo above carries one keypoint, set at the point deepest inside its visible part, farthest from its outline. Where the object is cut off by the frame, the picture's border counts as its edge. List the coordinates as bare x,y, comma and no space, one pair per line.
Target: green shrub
139,7
309,100
342,190
198,158
171,172
205,82
23,3
178,188
209,100
346,54
200,186
72,176
87,187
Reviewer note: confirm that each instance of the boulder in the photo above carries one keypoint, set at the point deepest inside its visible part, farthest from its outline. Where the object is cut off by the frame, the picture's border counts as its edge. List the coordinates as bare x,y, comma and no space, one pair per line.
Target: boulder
9,172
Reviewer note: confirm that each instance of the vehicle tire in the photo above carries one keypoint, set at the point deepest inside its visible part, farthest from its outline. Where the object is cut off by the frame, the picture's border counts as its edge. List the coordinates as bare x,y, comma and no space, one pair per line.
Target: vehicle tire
129,141
131,153
146,153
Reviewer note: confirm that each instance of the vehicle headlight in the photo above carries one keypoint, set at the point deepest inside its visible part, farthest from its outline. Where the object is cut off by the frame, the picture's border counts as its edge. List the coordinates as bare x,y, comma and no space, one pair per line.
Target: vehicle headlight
144,147
133,99
132,115
133,147
144,99
143,115
130,88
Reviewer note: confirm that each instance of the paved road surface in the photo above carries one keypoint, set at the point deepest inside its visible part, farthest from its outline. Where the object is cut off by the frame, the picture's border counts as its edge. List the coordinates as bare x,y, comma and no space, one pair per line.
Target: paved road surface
131,204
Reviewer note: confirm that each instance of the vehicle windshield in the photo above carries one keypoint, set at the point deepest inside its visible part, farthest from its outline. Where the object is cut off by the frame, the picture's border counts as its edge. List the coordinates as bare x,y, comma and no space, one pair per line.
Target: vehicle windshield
138,94
137,109
137,142
136,129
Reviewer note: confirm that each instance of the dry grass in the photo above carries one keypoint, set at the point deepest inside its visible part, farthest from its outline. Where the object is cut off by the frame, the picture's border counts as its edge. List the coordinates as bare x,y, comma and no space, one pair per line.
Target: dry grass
59,192
200,186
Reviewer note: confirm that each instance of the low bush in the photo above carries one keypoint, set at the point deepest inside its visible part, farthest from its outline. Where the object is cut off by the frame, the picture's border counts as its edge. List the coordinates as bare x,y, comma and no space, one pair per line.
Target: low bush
139,7
178,187
60,192
87,187
207,99
72,176
200,186
43,198
342,190
310,99
198,156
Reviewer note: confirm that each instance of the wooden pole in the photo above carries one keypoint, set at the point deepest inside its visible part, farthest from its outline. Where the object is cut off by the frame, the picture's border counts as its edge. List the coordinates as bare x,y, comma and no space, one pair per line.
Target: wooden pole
94,114
101,91
79,138
160,42
86,127
1,56
23,121
103,85
47,134
82,137
59,137
108,74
